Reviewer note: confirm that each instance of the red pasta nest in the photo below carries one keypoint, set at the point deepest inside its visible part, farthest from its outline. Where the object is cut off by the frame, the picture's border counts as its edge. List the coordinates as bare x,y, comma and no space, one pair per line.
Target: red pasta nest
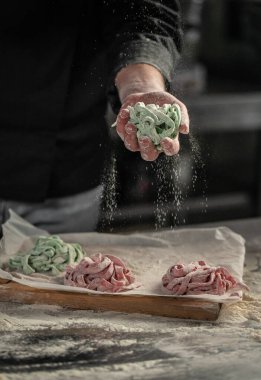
104,273
199,278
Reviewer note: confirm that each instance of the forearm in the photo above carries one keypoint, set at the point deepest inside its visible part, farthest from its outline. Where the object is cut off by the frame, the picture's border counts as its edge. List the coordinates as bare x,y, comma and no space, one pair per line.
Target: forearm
141,32
138,78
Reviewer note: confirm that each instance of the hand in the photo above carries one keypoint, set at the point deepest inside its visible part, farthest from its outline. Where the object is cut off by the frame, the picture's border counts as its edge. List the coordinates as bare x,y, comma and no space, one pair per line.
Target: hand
128,132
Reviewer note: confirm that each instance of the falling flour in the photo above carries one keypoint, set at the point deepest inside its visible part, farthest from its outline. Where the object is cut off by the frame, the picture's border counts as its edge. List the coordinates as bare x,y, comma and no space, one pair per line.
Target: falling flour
169,191
109,181
173,179
198,169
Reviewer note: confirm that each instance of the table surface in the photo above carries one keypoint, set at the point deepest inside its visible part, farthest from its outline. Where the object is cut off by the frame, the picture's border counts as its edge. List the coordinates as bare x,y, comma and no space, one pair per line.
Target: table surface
47,342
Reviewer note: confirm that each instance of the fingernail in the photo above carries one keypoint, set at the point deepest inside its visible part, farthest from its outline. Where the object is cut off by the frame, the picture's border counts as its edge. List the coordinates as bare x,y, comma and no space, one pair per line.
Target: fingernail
124,113
144,142
129,129
168,148
144,156
184,129
166,145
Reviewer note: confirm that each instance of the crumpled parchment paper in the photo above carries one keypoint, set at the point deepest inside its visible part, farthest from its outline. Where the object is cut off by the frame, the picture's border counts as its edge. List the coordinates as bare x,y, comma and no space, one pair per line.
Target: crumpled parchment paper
148,255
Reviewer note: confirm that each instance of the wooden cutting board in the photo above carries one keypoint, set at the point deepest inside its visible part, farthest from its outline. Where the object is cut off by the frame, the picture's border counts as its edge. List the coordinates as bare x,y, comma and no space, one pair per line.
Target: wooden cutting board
153,305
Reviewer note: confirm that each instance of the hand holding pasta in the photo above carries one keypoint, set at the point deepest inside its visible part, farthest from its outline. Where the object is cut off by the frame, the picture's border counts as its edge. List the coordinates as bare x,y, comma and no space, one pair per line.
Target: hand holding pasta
151,122
155,122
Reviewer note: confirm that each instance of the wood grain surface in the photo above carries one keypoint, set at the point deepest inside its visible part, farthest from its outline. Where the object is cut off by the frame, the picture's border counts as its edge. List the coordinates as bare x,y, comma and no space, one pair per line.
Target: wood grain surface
154,305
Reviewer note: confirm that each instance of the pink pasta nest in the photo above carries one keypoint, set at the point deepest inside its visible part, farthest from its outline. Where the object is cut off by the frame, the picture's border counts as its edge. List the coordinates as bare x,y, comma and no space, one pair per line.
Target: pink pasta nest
199,278
104,273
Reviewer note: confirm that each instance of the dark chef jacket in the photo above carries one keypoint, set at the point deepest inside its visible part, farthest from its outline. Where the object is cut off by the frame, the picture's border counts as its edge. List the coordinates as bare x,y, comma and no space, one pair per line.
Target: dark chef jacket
58,59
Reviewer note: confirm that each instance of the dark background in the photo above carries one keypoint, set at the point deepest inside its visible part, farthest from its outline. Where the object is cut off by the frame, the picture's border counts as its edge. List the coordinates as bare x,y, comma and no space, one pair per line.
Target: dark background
217,175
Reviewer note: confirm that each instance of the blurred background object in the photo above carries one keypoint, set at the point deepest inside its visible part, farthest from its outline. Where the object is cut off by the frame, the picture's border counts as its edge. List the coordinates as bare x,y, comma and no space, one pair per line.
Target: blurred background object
217,175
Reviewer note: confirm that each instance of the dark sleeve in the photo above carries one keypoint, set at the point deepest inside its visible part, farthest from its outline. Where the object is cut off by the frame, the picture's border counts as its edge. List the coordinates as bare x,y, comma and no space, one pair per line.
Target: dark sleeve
142,31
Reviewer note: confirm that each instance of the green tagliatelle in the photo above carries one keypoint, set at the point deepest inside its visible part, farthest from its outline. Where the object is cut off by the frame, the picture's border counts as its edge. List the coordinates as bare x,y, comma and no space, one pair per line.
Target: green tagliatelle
50,253
154,121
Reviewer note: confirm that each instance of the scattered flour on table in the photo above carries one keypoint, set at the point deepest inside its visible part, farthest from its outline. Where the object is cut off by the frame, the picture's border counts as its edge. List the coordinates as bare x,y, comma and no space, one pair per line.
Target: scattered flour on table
231,343
249,309
14,317
151,369
186,343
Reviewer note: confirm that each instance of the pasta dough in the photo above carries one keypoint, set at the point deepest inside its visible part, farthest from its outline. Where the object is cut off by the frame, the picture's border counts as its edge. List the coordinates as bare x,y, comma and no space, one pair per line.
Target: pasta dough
199,278
154,121
50,253
105,273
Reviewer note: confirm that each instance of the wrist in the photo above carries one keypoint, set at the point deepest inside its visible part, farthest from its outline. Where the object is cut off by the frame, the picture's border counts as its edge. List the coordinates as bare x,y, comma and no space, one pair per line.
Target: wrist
138,78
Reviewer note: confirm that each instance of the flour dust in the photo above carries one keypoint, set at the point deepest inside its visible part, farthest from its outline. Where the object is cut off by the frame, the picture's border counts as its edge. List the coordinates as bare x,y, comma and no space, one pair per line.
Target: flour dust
173,179
168,191
109,180
177,178
198,165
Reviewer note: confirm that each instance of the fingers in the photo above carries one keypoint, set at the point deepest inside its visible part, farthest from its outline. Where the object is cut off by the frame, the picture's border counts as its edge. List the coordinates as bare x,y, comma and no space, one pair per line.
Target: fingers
184,129
148,150
170,146
130,138
160,98
121,122
184,124
128,132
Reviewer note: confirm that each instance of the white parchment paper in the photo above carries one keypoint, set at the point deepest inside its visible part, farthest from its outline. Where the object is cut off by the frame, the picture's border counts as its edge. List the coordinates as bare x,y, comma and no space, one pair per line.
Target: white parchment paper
148,255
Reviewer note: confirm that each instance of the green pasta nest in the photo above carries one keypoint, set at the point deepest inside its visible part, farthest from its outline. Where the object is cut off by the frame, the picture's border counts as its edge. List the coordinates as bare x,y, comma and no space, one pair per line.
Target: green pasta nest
50,253
154,121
